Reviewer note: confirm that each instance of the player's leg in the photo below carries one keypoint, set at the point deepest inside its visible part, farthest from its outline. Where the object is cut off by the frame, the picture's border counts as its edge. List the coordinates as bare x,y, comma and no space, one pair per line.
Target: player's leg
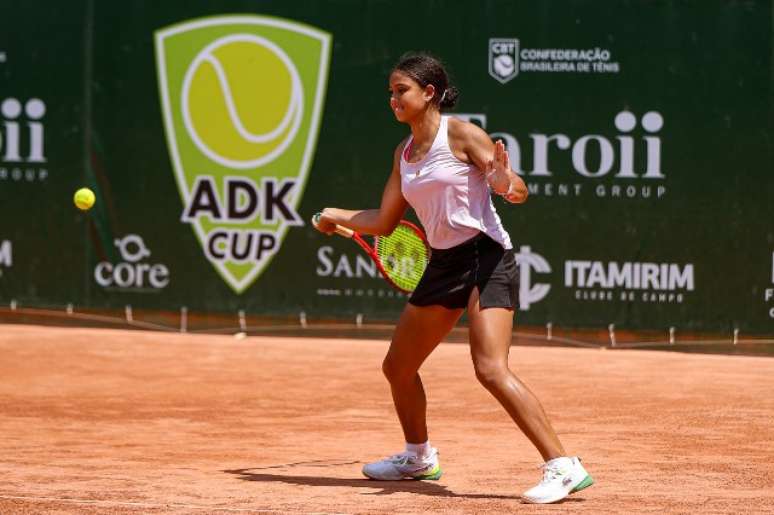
419,331
490,340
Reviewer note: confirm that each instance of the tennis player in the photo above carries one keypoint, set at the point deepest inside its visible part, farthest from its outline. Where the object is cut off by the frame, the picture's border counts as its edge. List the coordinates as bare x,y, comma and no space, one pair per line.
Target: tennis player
446,170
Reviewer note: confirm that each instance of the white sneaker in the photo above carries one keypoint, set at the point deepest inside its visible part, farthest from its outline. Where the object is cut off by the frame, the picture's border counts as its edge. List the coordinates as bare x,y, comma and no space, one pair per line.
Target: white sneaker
405,465
561,477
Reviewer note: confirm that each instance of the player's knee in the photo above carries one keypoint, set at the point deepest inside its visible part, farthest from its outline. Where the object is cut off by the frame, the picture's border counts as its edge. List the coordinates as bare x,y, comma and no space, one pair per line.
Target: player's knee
395,372
491,373
390,370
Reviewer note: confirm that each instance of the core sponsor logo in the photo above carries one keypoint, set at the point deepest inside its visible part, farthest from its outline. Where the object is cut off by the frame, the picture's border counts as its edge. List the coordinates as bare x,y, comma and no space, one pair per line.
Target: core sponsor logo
507,59
242,98
22,140
6,255
619,162
134,272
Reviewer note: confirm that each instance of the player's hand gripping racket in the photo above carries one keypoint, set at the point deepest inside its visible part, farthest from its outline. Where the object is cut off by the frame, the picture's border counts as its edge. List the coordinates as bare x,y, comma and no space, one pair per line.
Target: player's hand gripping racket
401,257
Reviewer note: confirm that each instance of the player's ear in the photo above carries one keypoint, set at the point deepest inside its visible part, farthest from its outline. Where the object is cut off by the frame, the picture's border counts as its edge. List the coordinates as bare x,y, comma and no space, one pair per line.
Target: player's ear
429,93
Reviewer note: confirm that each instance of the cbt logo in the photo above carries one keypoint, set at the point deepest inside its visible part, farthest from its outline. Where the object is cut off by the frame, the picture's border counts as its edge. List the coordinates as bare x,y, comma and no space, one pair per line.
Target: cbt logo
6,255
131,273
503,59
531,293
242,98
507,58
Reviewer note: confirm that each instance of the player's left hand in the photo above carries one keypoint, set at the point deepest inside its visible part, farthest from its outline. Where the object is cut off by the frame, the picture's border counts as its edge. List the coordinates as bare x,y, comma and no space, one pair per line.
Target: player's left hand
499,170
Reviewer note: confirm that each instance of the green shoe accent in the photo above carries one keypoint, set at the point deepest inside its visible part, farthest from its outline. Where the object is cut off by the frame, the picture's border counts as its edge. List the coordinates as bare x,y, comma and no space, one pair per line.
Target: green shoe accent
433,474
587,482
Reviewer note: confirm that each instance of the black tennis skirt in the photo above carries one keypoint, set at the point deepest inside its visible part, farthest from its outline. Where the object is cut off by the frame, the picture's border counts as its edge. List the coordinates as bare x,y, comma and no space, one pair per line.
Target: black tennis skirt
452,274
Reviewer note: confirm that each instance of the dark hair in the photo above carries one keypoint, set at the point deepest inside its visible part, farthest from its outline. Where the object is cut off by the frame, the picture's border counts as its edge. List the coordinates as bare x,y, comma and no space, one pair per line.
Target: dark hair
426,69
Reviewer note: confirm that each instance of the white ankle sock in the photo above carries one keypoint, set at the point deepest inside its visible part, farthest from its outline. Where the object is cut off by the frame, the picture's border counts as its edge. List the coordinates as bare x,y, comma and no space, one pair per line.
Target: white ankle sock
421,450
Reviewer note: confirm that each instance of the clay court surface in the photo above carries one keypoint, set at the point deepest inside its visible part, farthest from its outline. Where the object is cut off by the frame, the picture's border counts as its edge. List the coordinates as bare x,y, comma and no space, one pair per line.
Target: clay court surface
109,421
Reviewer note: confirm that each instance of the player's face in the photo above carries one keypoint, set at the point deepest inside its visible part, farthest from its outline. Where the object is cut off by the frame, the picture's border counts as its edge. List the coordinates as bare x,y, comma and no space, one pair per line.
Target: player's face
407,98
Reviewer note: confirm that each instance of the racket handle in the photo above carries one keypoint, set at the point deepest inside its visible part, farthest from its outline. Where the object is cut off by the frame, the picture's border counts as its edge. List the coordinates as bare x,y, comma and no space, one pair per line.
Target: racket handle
341,231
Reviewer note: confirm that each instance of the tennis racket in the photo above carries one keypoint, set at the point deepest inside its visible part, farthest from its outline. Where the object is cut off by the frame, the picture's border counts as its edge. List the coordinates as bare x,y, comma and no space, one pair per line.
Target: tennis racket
400,257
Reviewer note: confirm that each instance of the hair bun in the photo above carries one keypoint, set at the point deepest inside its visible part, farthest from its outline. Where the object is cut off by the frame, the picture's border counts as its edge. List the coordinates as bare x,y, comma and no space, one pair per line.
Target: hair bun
449,97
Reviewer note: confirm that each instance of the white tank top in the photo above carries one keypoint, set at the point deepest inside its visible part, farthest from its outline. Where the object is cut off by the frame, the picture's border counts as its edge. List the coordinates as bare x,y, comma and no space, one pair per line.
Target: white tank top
451,198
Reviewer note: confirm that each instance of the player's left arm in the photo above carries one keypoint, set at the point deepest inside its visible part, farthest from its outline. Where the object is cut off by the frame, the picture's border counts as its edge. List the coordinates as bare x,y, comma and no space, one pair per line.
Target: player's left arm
491,158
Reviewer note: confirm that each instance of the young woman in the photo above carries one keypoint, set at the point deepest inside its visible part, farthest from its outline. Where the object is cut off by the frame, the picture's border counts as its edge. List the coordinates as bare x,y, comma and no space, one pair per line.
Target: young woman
446,170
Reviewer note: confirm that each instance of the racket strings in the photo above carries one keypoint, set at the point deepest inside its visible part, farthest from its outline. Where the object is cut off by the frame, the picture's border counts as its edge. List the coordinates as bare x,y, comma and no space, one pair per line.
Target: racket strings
403,255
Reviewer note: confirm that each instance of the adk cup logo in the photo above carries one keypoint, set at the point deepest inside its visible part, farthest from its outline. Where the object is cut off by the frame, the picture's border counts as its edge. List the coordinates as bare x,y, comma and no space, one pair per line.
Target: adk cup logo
242,98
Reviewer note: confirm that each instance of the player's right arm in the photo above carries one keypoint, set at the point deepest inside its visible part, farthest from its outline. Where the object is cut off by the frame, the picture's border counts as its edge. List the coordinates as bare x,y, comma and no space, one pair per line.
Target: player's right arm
372,221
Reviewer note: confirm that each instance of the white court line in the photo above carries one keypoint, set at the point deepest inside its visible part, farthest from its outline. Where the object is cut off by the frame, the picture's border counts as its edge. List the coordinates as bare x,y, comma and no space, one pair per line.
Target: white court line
158,505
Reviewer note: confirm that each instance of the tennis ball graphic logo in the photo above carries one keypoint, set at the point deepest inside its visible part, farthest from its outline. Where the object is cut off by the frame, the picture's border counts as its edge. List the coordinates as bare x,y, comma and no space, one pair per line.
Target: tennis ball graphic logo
242,101
503,65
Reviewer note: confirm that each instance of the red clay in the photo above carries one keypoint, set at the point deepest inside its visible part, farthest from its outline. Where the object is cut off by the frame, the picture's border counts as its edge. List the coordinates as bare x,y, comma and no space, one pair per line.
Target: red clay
107,421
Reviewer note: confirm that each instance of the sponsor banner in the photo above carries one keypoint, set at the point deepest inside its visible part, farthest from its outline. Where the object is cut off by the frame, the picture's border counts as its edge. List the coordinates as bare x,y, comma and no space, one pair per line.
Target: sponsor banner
351,275
507,57
628,281
627,155
605,281
531,263
22,135
648,173
44,244
6,256
22,140
242,98
135,272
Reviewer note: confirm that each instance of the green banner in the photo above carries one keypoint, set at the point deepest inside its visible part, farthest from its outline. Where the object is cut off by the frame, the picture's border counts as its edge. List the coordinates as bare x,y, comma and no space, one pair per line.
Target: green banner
211,134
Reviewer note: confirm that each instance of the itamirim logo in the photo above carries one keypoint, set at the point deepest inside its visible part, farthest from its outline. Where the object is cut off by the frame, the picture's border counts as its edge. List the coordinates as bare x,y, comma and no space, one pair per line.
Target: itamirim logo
242,98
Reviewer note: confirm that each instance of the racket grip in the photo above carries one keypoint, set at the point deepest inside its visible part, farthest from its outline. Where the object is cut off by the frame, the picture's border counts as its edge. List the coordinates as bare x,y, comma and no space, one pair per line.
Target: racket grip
341,231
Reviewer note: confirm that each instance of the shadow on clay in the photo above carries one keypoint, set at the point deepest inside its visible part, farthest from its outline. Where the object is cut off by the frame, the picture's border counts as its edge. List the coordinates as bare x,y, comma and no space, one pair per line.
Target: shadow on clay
430,488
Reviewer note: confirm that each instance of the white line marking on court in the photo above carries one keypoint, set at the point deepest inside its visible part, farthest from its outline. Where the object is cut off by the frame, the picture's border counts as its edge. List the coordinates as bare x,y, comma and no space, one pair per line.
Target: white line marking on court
159,505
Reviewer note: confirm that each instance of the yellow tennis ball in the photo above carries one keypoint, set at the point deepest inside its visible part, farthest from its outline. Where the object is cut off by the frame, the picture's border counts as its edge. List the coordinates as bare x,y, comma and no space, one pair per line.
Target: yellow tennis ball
84,199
